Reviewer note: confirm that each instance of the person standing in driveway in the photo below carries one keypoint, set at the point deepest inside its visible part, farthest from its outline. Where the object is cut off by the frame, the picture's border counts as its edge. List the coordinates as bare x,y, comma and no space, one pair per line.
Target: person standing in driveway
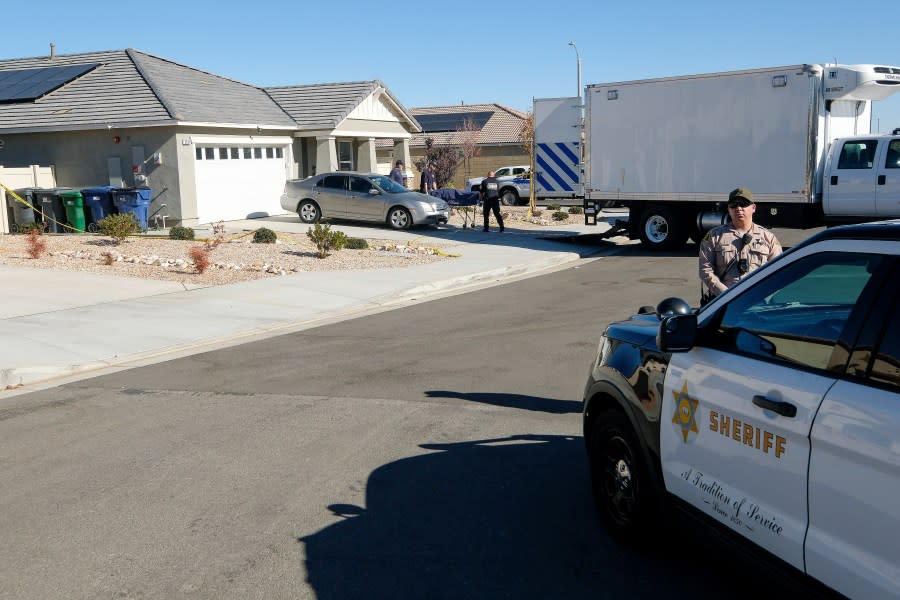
397,172
428,181
729,252
490,201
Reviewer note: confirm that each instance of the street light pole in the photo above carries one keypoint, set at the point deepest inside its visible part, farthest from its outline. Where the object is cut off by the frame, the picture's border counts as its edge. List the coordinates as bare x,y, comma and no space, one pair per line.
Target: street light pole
578,59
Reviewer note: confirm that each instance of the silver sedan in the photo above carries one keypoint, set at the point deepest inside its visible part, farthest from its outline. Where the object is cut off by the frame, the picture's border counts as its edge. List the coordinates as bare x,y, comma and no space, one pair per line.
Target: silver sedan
361,197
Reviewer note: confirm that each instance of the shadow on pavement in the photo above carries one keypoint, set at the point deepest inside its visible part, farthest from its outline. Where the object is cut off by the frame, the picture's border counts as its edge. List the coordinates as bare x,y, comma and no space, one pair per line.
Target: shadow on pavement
497,518
522,401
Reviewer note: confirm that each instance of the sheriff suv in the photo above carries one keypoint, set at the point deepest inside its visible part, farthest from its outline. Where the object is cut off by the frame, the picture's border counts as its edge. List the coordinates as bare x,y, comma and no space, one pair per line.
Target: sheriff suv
515,184
772,413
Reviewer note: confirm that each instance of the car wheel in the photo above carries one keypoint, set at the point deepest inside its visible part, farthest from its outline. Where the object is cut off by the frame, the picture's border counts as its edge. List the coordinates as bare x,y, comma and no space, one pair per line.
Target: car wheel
309,212
663,229
399,218
509,198
619,477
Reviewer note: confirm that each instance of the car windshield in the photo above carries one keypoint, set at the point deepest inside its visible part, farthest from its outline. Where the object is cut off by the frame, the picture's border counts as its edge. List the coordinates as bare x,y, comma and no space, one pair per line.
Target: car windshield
387,184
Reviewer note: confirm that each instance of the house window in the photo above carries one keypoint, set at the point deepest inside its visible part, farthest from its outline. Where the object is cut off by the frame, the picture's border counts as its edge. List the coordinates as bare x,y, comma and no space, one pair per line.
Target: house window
257,153
270,152
223,153
248,153
210,153
345,156
279,152
198,153
235,153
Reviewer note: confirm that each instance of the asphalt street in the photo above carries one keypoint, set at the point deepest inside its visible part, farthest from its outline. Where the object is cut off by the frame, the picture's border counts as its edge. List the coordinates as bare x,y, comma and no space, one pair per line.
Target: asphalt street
432,451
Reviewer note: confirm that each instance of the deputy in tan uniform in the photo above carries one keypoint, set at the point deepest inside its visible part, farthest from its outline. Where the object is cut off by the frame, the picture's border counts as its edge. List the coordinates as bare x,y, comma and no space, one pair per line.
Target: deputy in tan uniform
728,253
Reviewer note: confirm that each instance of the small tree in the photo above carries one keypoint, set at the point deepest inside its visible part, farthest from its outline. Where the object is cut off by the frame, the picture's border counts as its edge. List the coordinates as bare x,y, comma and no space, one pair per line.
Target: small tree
444,158
526,137
468,143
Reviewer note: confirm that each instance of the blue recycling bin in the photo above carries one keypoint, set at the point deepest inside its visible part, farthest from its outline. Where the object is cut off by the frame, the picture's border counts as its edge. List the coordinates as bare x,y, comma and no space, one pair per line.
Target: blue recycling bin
99,204
135,201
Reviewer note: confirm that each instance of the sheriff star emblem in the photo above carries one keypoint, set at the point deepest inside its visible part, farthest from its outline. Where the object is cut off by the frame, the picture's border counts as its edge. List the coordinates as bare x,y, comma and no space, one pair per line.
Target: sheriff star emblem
685,412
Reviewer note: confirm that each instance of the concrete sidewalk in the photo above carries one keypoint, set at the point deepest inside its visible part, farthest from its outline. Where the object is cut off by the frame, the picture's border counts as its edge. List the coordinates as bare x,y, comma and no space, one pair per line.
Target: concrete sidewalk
56,326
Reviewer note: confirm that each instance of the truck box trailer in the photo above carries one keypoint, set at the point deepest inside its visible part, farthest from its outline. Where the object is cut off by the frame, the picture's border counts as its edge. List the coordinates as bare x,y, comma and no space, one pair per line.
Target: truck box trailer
799,137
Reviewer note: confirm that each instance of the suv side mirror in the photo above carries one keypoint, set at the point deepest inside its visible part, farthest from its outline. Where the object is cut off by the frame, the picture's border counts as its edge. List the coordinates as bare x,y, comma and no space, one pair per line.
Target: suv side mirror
677,333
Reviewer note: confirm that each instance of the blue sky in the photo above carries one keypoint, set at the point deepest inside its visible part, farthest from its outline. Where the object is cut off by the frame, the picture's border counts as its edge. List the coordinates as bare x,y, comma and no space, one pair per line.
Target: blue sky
465,51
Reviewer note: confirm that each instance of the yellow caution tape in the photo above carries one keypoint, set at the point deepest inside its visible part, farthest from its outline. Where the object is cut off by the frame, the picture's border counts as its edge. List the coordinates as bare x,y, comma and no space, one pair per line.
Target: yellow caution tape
46,217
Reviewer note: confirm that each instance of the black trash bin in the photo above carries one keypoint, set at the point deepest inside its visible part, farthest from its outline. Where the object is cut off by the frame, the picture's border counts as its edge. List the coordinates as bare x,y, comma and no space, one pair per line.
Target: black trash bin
50,203
98,204
23,214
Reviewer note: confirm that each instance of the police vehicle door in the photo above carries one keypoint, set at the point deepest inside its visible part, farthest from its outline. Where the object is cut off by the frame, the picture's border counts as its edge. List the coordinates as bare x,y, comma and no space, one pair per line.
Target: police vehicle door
853,543
738,408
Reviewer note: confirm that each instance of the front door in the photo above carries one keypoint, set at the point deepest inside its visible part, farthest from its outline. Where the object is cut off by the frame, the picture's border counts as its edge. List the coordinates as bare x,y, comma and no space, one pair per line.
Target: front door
739,407
887,190
345,155
850,187
364,200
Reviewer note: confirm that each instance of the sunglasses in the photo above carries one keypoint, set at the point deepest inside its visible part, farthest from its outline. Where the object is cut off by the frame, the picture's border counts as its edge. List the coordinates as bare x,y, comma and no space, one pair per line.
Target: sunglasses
741,203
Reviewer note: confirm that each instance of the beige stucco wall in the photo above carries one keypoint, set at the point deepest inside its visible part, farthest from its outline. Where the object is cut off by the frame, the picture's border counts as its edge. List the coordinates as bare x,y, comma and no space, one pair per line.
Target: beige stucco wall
80,157
80,160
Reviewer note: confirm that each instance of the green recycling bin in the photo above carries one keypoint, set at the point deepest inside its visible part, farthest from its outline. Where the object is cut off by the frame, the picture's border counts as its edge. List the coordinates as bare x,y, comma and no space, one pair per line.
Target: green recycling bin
74,203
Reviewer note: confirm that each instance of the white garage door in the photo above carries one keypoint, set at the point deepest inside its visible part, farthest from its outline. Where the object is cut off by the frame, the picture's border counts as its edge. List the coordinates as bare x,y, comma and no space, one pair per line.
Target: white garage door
239,181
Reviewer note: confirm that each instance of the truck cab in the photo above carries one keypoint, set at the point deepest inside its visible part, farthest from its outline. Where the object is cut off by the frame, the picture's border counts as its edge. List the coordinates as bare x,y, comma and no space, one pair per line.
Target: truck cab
862,178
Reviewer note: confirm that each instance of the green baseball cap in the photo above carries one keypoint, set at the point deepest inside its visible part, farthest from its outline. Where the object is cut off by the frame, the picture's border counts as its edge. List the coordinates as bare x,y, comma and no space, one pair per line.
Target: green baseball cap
740,194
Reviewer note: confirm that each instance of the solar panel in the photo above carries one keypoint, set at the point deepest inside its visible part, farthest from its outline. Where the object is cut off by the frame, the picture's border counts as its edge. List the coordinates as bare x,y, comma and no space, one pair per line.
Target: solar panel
22,85
452,121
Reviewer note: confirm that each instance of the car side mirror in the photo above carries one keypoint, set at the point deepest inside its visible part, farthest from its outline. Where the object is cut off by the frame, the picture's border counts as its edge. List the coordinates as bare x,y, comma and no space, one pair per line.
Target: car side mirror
374,192
677,333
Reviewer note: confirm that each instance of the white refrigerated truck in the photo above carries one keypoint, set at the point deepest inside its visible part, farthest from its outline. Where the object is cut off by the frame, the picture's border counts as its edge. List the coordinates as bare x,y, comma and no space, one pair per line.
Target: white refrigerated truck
799,137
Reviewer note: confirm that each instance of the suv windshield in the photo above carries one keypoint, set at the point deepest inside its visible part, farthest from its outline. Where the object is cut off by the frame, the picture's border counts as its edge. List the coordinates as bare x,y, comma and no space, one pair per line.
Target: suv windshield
387,184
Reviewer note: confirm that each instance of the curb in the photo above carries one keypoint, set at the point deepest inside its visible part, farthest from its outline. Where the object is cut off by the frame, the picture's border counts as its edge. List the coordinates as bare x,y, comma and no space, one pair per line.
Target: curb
19,379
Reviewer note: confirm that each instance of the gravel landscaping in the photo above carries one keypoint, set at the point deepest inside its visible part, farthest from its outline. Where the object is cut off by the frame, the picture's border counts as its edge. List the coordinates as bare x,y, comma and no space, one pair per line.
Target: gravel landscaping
235,259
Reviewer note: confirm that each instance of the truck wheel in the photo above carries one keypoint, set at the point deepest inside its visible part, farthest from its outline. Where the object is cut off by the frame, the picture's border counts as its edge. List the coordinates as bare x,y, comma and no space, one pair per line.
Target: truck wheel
509,198
619,477
663,229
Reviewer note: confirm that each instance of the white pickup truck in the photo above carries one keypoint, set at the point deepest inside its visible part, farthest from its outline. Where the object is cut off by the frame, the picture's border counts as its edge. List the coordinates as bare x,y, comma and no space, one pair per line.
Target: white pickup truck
514,184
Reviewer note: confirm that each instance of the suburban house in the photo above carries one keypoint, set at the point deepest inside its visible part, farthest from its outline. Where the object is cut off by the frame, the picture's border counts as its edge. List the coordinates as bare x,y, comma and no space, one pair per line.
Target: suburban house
210,148
498,137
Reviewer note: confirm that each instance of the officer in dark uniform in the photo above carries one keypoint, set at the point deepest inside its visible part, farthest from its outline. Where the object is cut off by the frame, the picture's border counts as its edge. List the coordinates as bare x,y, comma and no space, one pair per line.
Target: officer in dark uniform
490,201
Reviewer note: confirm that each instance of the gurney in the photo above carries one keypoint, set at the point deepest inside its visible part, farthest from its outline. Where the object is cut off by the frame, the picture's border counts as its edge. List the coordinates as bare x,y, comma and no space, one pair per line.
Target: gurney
459,199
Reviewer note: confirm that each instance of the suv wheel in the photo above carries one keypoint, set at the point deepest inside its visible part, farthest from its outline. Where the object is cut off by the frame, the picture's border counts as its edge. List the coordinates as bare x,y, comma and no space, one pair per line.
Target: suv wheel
619,476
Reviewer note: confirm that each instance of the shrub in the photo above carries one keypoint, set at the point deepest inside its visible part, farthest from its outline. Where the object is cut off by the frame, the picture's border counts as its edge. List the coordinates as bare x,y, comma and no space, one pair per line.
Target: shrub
560,215
29,227
200,257
325,239
537,212
35,244
181,233
118,226
264,235
553,206
575,210
354,243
